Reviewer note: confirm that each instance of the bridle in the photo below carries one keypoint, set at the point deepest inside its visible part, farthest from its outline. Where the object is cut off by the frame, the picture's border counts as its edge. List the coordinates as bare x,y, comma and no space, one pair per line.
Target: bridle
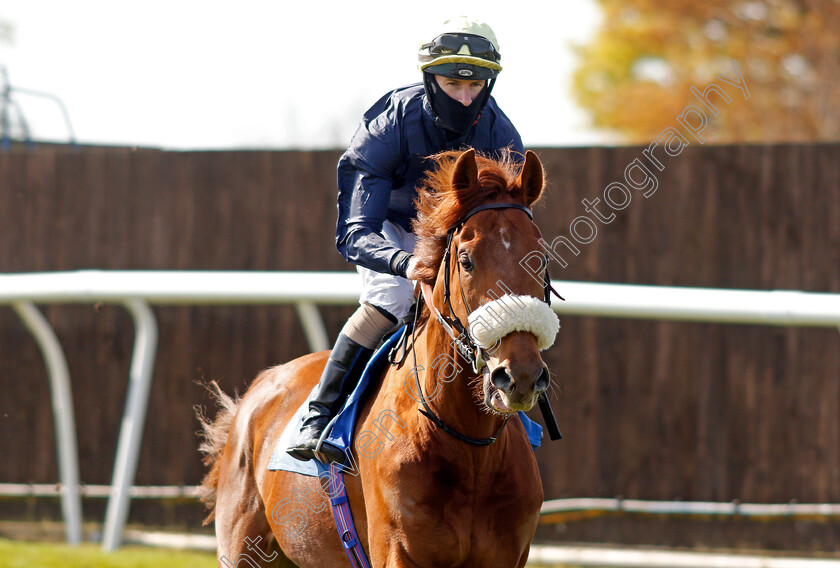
460,336
463,341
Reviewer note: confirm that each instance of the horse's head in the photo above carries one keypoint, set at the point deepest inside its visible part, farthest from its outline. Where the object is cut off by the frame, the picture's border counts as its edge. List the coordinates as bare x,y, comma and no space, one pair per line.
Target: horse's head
474,228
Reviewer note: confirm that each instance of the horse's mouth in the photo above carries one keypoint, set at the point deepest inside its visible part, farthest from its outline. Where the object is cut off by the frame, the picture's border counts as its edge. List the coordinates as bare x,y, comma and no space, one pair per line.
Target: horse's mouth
496,400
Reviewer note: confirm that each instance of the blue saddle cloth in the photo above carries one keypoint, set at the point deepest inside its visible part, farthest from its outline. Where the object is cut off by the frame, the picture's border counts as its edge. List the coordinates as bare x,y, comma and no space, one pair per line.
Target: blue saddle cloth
341,432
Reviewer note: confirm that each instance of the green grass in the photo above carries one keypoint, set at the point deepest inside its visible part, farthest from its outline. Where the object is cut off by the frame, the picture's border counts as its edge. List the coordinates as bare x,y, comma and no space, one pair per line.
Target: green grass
16,554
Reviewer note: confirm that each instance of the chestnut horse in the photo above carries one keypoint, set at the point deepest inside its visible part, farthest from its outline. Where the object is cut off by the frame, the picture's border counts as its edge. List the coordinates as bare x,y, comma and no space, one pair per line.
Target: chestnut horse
427,498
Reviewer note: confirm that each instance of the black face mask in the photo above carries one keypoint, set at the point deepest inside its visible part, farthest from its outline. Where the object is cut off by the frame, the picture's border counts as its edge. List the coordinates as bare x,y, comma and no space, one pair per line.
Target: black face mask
451,114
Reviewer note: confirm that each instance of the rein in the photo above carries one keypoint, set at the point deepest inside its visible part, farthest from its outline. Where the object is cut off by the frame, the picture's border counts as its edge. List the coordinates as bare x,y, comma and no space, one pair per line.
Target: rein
426,294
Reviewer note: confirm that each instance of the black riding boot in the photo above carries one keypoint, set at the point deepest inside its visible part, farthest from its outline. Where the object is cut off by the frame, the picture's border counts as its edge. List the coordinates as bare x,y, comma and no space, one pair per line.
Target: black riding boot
346,360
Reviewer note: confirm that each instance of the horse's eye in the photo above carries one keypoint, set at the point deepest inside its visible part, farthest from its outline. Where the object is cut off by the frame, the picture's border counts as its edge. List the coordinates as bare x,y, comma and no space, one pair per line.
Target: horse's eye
466,262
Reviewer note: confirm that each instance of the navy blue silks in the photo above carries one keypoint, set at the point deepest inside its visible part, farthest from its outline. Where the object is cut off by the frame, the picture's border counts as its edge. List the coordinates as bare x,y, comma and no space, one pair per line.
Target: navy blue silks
387,157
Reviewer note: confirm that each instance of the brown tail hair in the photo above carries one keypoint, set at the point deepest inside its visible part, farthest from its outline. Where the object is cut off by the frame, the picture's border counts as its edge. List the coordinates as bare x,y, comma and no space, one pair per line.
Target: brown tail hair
214,434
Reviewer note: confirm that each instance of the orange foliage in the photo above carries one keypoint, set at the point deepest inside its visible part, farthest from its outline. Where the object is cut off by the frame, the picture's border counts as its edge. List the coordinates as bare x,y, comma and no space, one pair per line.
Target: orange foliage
635,76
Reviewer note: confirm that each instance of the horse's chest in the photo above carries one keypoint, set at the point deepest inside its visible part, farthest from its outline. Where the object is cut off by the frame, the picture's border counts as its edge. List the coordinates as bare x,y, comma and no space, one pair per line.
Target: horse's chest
449,516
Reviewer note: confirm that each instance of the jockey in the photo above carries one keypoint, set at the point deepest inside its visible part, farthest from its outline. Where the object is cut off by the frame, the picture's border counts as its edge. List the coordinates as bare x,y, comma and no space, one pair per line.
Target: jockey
452,108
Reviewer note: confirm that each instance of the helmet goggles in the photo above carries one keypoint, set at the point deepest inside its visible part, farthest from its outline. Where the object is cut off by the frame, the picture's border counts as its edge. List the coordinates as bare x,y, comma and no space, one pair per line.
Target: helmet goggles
453,43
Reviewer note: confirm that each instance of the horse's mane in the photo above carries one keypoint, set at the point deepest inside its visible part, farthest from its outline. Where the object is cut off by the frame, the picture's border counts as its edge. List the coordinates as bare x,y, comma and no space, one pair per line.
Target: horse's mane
440,206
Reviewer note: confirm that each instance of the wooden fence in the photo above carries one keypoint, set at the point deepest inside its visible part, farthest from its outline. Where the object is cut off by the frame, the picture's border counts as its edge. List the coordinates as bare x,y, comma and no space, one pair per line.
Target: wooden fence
650,410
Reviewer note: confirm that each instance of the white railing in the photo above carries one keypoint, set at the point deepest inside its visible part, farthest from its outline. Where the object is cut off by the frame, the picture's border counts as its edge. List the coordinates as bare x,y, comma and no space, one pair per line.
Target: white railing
135,290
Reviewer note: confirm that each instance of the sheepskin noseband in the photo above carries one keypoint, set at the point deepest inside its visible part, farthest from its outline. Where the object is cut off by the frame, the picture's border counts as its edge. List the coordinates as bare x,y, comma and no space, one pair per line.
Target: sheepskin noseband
494,320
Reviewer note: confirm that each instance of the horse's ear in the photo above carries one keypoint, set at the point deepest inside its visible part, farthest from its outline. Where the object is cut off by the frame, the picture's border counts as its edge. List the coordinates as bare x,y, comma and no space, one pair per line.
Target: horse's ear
466,171
532,178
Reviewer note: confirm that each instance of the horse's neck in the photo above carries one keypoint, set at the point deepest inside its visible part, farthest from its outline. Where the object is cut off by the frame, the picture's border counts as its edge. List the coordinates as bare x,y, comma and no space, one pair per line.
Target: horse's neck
450,387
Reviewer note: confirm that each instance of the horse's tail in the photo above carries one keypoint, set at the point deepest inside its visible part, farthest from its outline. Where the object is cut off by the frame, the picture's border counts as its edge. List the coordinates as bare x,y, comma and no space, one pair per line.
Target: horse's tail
214,434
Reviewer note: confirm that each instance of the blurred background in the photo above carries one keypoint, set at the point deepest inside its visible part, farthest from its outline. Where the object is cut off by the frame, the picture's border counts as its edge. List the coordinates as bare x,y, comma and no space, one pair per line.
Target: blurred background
204,136
262,74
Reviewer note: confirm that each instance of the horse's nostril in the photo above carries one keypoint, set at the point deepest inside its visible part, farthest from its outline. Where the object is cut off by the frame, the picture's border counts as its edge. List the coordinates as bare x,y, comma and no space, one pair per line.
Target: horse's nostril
501,379
543,380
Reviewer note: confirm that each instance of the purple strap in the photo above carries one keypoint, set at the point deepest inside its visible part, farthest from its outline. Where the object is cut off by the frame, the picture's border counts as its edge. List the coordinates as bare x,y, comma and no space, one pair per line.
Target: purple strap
344,520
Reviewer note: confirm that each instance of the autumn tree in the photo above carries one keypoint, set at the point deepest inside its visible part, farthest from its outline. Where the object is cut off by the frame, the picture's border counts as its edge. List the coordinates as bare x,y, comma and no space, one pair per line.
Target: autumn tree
636,75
